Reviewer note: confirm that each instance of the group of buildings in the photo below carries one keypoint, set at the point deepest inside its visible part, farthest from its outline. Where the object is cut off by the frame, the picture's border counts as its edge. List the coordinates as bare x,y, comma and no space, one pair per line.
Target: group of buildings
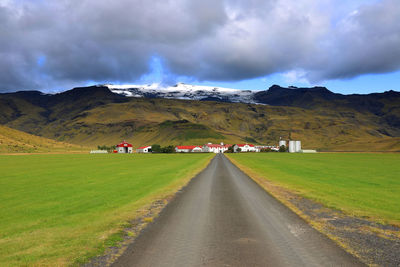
125,147
217,148
294,146
290,146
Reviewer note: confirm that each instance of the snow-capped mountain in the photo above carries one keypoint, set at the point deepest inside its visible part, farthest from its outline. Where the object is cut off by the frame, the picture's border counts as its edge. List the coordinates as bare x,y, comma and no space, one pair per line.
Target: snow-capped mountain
184,91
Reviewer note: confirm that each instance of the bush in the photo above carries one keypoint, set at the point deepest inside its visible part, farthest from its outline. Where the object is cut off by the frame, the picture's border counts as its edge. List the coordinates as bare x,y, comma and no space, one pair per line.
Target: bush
168,149
108,148
282,148
156,148
162,149
230,149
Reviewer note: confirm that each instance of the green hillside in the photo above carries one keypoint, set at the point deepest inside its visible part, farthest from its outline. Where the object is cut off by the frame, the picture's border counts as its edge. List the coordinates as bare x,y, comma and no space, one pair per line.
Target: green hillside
14,141
94,116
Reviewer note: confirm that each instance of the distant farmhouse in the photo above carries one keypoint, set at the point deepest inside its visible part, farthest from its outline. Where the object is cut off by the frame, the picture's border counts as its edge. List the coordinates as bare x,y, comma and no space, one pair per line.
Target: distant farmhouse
215,148
124,147
245,148
144,149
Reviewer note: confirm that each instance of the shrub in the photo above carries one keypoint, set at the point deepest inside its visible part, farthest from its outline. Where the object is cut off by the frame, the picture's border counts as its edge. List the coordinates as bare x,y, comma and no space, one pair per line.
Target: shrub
156,148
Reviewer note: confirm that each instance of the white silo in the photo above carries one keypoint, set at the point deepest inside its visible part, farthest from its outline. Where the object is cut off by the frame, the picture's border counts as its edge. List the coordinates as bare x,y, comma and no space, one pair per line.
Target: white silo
298,146
292,146
282,143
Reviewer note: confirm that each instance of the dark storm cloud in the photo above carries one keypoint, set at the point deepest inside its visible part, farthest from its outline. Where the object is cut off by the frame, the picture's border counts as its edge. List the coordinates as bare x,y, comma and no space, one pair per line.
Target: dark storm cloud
47,44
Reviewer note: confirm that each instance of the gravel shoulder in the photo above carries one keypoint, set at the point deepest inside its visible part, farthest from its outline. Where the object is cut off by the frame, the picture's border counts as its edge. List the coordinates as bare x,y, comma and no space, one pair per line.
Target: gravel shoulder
223,218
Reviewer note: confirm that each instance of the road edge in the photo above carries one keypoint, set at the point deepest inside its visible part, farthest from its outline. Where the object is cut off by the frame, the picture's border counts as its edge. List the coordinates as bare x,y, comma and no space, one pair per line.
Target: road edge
122,239
282,195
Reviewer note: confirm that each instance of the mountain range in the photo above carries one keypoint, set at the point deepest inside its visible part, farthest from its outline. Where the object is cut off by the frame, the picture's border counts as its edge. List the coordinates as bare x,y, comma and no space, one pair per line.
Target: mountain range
187,114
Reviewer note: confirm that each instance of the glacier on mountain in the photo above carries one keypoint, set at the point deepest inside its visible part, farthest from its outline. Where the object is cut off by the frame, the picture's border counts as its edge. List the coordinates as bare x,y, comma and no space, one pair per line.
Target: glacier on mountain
185,91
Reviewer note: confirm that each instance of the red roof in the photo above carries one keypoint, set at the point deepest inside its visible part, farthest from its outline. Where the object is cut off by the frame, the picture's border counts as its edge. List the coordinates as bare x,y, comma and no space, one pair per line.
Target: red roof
143,147
186,147
242,145
124,144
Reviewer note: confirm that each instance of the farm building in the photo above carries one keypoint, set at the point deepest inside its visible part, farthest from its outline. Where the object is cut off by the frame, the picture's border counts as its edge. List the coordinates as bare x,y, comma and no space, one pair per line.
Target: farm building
245,148
187,149
144,149
294,146
282,143
124,147
215,148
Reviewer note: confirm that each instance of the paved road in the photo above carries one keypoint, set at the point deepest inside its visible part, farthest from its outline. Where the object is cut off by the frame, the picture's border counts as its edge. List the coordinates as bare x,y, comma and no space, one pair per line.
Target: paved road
223,218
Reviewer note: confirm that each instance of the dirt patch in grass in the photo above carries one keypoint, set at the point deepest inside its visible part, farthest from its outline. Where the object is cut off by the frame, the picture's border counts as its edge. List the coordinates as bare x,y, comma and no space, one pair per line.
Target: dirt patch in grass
373,243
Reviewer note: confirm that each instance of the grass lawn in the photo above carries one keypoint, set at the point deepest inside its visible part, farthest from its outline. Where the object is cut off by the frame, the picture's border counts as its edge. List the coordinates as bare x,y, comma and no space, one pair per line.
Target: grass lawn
62,209
366,185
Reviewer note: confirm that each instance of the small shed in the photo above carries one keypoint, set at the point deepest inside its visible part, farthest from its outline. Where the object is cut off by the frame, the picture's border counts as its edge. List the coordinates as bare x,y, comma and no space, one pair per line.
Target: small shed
124,147
144,149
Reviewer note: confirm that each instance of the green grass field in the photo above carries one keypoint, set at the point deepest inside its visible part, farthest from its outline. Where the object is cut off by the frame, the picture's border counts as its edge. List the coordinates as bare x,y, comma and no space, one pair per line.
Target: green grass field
359,184
59,210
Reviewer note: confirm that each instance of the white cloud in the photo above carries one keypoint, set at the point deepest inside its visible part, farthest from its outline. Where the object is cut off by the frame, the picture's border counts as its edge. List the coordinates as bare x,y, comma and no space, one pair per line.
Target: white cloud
295,76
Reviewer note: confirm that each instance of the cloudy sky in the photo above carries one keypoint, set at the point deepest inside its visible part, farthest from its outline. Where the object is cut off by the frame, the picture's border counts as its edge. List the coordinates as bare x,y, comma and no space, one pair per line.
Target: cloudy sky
348,46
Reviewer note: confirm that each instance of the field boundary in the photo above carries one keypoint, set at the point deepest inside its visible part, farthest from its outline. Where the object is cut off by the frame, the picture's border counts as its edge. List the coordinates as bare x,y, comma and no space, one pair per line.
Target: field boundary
371,242
118,242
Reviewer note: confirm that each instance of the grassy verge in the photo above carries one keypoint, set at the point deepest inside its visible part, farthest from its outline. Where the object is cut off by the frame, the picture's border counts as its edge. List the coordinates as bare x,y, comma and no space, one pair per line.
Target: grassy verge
364,185
63,209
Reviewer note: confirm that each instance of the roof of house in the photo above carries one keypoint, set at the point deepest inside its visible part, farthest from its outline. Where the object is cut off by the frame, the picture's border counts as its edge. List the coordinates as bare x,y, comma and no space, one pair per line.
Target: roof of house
242,145
186,147
124,144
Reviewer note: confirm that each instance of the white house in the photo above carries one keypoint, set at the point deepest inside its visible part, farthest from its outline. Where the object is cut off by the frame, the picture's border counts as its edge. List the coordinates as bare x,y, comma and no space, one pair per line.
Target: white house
124,147
144,149
187,149
273,148
215,148
245,148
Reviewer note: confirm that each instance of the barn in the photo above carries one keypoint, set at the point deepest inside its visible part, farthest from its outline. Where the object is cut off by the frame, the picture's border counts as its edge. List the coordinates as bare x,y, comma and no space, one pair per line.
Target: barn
124,147
144,149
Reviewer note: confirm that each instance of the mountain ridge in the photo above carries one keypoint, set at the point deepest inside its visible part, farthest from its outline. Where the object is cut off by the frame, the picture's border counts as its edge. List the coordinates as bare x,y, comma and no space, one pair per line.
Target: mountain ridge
323,120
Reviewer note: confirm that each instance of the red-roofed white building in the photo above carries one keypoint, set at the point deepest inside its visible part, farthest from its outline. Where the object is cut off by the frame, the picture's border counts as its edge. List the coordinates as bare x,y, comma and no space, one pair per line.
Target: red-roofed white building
245,148
187,149
124,147
215,148
144,149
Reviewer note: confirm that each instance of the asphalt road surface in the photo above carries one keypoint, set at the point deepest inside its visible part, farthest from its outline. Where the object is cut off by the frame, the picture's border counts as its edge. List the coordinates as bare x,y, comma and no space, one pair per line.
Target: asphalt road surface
223,218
